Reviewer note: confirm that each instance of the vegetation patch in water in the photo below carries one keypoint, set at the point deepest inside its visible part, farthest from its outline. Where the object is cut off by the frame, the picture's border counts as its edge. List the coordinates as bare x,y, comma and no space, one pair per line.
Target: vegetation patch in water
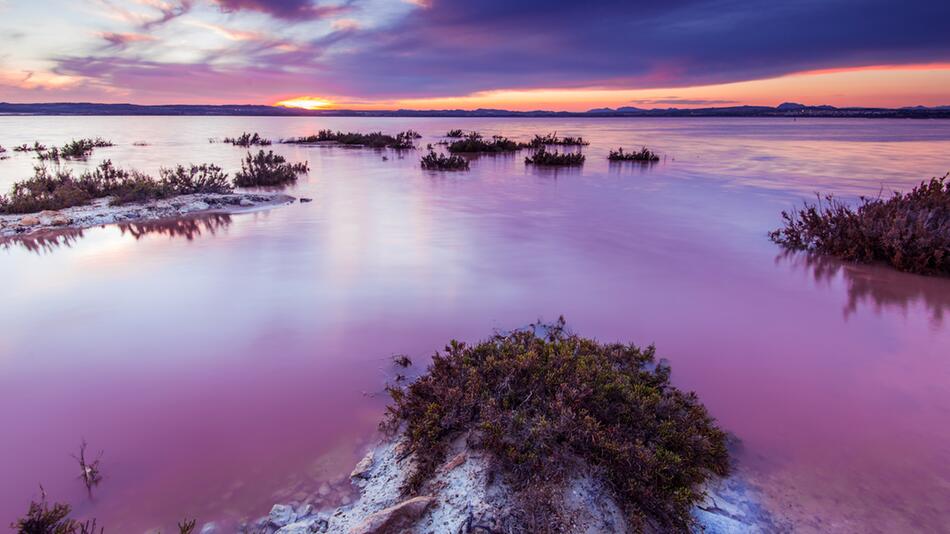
267,169
541,399
643,155
76,149
59,189
440,162
475,143
555,159
455,134
909,231
246,140
552,139
401,141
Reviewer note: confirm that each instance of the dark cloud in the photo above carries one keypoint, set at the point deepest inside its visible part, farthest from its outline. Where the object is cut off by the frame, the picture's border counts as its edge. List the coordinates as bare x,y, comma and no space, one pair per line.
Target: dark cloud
459,46
169,12
286,9
674,100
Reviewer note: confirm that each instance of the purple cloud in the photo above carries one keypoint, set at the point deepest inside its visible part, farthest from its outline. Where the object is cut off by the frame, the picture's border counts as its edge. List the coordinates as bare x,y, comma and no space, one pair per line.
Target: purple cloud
285,9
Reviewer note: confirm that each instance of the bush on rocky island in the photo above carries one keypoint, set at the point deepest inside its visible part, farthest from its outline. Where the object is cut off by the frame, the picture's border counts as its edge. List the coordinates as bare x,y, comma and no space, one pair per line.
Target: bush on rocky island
543,400
474,143
267,169
909,231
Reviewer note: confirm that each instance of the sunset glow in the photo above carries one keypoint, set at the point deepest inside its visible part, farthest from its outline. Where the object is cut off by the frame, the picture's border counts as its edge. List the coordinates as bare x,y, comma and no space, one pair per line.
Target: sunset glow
305,102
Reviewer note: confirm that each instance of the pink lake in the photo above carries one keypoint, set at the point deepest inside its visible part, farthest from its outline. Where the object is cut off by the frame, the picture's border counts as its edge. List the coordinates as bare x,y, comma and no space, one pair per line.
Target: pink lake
229,363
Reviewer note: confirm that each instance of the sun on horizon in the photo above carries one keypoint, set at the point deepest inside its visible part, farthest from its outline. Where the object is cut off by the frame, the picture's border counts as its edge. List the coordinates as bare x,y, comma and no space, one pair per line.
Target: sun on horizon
305,102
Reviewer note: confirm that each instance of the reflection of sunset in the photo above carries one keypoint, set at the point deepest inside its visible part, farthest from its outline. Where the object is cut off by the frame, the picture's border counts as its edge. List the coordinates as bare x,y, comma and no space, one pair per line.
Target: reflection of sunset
305,102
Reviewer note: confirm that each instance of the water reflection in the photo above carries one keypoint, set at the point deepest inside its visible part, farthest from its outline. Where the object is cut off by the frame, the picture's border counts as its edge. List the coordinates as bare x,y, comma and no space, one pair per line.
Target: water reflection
880,286
189,228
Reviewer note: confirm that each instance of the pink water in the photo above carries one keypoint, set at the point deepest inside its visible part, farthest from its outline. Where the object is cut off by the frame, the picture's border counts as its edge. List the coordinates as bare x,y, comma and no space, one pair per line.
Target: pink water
229,363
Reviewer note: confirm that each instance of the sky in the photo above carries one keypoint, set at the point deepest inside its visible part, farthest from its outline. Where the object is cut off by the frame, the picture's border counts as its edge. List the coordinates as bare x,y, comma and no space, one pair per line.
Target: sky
467,54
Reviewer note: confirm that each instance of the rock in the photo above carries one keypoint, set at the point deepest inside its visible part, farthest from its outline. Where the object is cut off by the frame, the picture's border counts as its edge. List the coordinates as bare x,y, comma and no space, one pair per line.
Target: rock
395,519
209,528
362,468
60,220
304,200
29,220
246,202
46,214
324,489
281,515
304,510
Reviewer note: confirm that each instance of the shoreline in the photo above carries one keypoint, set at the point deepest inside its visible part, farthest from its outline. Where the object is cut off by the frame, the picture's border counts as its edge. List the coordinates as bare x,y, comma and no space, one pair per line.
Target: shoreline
100,213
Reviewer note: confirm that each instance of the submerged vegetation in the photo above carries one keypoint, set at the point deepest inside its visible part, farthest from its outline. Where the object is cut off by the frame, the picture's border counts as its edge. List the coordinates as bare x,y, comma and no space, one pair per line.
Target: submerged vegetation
401,141
441,162
555,159
75,149
455,134
246,140
643,155
909,231
37,147
59,189
542,399
552,139
474,143
267,170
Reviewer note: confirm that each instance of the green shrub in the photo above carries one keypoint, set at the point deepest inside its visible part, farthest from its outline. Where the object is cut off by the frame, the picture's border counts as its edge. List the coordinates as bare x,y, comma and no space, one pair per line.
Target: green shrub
267,170
644,155
75,149
400,141
205,178
473,143
910,231
246,140
539,399
45,191
441,162
543,157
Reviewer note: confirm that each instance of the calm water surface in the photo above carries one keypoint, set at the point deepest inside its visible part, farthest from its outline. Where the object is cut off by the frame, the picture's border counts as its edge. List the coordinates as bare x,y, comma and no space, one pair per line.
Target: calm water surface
227,363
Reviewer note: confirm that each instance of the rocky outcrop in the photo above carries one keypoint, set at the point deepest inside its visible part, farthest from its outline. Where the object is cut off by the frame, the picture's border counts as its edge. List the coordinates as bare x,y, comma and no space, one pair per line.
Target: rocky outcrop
99,212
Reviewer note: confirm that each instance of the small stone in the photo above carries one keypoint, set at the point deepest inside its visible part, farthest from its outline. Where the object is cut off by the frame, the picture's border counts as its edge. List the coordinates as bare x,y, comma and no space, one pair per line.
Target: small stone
304,200
324,489
246,202
281,515
454,462
29,220
307,526
209,528
60,220
48,213
304,510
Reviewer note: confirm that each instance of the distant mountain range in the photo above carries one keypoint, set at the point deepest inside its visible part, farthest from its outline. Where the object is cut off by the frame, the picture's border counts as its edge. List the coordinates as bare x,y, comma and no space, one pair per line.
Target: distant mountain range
787,109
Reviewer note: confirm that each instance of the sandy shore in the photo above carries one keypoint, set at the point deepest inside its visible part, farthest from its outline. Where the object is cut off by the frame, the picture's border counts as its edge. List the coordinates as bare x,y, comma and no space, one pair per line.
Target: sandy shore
100,212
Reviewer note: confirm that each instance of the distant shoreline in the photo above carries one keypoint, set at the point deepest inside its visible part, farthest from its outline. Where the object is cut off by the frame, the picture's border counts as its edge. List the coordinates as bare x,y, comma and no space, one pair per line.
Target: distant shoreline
787,110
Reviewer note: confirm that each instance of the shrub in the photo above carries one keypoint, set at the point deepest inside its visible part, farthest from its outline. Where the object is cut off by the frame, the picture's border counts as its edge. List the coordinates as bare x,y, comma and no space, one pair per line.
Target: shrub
539,399
267,169
43,519
37,147
543,157
403,140
910,231
441,162
245,140
644,155
473,143
552,139
455,134
205,178
45,191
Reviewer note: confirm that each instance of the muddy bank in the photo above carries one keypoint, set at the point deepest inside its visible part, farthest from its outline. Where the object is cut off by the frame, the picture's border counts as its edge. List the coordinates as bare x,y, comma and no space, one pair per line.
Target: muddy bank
99,212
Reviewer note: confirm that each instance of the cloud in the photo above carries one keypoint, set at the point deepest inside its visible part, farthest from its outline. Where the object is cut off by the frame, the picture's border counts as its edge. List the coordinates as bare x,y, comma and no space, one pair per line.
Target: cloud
286,9
121,40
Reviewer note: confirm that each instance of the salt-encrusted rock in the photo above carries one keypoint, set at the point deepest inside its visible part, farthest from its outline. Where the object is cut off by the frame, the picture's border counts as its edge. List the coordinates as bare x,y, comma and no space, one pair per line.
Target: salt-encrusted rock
246,202
210,528
46,214
59,220
29,220
363,467
395,519
281,515
304,510
317,523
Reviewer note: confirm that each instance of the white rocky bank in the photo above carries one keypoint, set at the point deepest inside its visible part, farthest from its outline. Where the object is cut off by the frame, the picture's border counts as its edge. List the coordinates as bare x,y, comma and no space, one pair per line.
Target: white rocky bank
460,499
100,212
